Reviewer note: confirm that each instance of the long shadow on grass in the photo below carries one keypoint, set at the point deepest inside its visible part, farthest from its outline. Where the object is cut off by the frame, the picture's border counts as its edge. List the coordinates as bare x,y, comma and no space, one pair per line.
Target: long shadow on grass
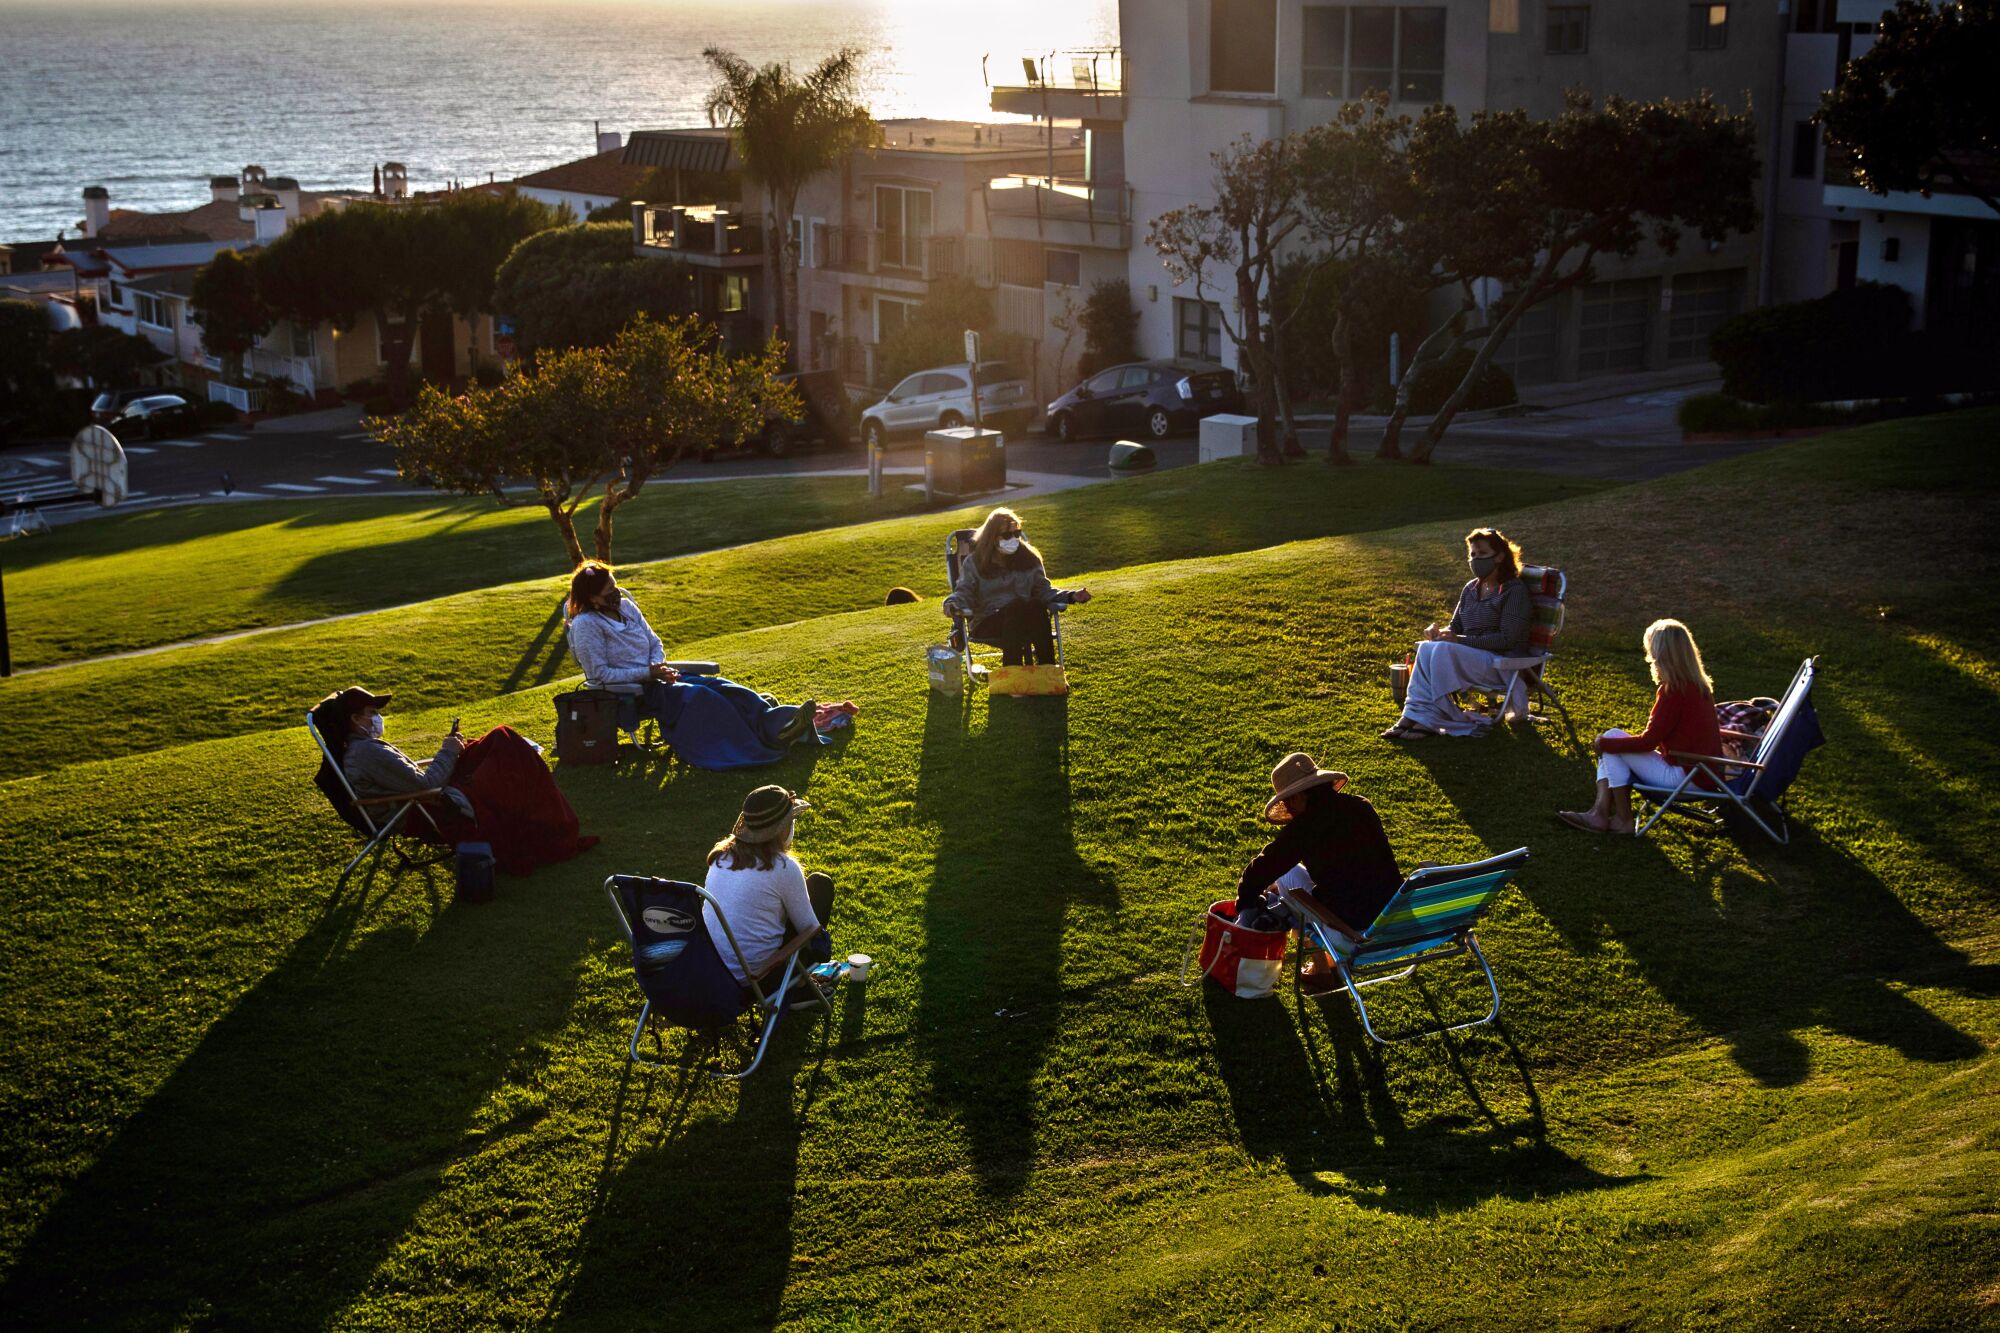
1443,1122
264,1181
1006,875
1739,940
542,658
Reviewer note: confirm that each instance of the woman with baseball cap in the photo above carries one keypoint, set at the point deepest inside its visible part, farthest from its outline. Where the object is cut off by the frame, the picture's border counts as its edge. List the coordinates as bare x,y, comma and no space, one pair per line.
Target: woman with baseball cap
1330,845
766,895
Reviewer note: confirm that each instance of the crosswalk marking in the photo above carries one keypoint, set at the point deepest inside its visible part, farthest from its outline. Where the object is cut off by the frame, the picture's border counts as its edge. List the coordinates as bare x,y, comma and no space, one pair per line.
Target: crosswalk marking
140,449
384,472
359,435
347,481
184,444
296,486
39,461
223,435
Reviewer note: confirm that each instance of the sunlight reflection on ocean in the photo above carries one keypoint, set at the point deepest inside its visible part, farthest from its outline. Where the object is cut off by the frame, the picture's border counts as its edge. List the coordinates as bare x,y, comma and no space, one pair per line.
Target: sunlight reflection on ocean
152,100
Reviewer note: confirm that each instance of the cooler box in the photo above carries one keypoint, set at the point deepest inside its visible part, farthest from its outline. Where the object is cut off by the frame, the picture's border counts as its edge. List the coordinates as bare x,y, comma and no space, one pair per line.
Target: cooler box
964,460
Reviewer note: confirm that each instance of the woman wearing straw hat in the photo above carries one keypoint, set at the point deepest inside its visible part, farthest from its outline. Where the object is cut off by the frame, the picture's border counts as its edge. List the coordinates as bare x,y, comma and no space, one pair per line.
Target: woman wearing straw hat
1330,844
765,894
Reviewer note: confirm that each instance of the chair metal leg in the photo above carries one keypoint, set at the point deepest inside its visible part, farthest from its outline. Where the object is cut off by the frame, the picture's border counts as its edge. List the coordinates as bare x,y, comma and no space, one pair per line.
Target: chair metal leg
375,845
1355,985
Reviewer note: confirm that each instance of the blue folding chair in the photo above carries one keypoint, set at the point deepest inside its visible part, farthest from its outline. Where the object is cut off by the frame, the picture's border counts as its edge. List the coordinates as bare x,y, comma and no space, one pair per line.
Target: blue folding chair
1430,919
681,973
1756,786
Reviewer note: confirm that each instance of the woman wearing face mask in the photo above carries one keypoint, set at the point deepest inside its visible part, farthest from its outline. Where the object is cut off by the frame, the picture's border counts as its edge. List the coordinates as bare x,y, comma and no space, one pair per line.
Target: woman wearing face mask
709,721
1490,622
1004,591
497,790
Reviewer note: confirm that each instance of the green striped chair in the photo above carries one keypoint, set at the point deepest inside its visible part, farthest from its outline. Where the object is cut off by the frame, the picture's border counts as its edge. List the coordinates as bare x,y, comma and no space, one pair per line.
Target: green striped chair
1527,685
1430,919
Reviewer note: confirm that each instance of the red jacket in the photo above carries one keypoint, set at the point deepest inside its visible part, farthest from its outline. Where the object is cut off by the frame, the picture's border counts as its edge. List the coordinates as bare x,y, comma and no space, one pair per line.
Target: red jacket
1682,719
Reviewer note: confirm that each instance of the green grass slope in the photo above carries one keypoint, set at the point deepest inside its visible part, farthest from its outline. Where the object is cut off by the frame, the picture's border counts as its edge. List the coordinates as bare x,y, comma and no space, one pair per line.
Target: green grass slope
502,639
1737,1085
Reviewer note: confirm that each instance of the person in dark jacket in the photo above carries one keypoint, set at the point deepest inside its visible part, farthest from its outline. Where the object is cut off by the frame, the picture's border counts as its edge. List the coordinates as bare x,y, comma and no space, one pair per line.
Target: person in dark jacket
1330,844
1004,590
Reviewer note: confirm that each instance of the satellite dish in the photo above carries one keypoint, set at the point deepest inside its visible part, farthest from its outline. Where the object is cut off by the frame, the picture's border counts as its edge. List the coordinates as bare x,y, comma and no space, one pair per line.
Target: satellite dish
97,463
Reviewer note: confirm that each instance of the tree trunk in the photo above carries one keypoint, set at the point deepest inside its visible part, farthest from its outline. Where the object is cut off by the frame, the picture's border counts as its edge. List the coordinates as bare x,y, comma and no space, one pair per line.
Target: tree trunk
1536,291
1286,412
566,525
784,302
615,495
1343,404
1427,352
396,352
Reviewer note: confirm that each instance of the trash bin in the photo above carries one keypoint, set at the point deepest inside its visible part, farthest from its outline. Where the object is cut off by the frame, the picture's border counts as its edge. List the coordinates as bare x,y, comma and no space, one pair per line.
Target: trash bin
964,460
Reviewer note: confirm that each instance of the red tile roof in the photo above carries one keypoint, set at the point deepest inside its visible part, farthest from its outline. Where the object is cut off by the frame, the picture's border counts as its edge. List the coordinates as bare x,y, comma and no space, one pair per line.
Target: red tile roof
604,174
217,221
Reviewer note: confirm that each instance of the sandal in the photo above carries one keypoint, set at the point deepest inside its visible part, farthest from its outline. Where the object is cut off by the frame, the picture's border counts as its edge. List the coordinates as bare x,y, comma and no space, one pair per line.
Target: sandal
1398,730
1580,819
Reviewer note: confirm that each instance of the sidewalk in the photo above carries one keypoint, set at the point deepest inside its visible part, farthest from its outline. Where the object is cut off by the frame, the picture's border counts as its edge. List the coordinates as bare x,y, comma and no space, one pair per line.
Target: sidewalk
345,417
1669,386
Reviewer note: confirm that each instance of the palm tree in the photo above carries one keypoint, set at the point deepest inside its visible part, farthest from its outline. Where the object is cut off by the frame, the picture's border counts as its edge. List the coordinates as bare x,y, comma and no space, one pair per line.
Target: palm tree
788,129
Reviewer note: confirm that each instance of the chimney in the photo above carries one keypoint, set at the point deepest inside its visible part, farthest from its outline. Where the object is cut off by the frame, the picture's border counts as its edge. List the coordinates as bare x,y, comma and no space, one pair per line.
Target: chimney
395,181
609,141
96,209
251,200
287,191
222,189
378,180
253,179
270,218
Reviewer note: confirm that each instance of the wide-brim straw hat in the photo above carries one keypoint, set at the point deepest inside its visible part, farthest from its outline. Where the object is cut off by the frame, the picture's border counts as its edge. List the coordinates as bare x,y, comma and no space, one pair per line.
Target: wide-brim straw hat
1295,773
767,812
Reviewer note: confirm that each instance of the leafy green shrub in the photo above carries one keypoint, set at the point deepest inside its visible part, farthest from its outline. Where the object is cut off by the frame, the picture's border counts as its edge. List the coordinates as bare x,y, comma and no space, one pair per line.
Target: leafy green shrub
1110,326
934,334
1842,345
217,413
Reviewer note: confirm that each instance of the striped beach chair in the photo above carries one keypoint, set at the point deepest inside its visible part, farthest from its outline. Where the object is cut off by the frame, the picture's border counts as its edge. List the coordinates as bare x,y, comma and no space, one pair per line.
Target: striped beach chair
1754,787
1430,919
1527,685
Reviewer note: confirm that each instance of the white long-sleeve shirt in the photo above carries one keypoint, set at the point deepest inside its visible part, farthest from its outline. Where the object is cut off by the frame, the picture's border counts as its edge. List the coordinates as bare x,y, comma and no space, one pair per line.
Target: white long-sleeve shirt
616,653
765,908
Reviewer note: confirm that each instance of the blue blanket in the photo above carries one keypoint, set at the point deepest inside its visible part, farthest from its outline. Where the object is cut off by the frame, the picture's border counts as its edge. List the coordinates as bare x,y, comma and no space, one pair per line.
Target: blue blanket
715,723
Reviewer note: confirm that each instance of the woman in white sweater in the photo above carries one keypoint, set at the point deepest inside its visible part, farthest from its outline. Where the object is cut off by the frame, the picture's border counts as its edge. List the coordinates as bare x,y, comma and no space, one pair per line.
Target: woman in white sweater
710,722
764,893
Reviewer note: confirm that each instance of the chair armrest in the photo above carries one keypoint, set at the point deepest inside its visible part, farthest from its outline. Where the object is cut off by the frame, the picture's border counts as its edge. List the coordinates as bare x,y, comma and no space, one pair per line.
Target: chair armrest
399,797
1735,735
1304,905
1685,757
778,960
1518,663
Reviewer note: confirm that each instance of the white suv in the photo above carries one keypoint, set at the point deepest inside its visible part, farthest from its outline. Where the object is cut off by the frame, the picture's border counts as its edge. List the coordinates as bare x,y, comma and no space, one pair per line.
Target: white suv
941,398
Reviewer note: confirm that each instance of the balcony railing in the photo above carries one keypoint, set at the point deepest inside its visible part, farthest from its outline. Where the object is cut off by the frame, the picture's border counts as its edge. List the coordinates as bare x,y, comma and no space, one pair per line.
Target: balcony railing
1060,198
237,396
1084,69
704,229
898,254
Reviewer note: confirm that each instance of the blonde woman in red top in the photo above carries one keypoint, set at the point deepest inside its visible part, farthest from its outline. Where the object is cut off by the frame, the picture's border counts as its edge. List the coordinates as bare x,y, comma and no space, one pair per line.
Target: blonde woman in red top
1683,720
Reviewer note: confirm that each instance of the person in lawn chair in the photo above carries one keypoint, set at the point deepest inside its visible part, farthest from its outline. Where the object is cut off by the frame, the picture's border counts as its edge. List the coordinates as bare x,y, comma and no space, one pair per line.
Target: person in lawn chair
1491,622
1683,721
1003,590
494,790
710,722
764,892
1330,845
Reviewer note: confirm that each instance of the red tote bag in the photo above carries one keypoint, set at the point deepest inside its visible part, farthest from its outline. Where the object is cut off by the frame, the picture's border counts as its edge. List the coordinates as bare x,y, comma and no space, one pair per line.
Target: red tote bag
1245,962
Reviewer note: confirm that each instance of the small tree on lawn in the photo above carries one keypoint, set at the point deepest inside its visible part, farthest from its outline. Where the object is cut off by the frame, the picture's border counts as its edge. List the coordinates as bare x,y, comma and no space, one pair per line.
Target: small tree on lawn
1235,241
578,286
1531,205
590,421
232,315
1918,110
788,129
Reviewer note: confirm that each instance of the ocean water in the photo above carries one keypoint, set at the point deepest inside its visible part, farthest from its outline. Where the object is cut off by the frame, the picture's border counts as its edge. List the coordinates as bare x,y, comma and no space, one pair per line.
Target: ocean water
150,100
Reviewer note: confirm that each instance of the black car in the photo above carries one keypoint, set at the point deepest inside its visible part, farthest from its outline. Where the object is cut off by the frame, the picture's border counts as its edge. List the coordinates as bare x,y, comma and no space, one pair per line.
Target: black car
1148,399
823,422
155,417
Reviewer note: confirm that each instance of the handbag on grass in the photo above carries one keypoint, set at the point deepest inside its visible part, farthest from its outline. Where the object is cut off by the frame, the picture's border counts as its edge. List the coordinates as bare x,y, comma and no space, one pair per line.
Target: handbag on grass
947,672
1027,680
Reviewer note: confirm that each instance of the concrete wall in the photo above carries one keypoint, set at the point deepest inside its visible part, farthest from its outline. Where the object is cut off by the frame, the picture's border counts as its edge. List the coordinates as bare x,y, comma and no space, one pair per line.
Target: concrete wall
1910,269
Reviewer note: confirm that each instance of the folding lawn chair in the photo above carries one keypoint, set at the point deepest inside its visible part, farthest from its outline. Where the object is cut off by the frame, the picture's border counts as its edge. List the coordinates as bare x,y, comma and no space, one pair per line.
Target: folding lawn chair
378,819
642,732
679,967
1756,786
1526,681
1430,919
958,547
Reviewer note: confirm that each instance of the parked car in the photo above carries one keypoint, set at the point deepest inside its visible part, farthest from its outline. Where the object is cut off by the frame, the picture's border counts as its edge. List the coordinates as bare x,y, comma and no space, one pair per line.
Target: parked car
104,408
940,398
1150,399
155,417
822,424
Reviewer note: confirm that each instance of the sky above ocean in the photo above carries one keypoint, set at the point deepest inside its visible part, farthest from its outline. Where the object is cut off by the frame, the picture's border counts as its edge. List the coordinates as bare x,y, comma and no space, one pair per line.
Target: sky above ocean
150,100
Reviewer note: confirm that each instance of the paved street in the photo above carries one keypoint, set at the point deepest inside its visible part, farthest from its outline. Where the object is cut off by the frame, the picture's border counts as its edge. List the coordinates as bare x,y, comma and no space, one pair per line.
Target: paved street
1622,436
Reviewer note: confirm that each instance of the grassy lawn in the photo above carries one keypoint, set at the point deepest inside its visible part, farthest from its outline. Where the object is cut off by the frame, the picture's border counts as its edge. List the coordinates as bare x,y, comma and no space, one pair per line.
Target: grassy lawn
506,638
1737,1085
167,575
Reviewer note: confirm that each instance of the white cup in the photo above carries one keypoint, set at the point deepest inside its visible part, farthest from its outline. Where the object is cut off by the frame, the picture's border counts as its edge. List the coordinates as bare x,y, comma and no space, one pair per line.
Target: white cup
857,966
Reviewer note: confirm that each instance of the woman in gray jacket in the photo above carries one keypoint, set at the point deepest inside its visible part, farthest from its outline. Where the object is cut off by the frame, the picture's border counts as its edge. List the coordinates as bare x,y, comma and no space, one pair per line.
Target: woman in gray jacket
1004,591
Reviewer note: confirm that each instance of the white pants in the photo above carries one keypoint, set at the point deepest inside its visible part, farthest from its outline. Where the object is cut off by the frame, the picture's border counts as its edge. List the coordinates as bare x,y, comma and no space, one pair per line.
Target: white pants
1647,766
1443,667
1296,880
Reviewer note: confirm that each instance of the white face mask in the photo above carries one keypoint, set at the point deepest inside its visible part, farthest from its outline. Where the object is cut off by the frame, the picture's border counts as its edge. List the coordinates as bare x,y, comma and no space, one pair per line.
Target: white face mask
1009,545
375,727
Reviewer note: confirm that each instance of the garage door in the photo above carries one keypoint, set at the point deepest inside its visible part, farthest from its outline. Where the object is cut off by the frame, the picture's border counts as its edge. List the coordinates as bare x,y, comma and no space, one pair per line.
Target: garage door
1529,354
1611,326
1701,301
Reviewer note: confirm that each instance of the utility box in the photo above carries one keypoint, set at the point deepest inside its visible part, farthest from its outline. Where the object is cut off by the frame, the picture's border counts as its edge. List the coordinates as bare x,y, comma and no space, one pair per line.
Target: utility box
964,460
1226,436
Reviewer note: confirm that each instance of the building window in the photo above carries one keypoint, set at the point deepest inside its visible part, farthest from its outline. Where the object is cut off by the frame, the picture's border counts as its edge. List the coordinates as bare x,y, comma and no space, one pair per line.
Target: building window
891,316
1611,327
1531,349
1708,27
904,219
1197,329
795,237
1351,50
1569,30
1064,268
302,342
1700,302
382,331
732,294
1805,150
152,310
1243,46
